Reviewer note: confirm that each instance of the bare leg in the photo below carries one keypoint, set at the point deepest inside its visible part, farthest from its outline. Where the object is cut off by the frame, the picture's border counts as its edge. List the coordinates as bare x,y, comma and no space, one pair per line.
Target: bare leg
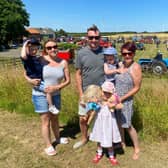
83,128
45,128
49,99
55,126
134,137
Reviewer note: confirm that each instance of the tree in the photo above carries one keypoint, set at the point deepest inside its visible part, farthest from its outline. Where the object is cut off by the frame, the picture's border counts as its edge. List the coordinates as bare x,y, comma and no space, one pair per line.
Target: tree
60,32
13,19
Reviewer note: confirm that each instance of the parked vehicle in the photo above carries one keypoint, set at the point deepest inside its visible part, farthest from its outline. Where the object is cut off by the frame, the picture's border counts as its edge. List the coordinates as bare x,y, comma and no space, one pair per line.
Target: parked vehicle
158,65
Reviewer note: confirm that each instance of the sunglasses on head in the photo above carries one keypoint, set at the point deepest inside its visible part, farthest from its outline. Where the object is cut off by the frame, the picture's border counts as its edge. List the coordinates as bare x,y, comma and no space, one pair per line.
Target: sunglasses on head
50,47
127,53
93,37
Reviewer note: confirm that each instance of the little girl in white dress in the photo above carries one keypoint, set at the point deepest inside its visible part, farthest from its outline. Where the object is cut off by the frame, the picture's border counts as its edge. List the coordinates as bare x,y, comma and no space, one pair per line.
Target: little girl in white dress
105,130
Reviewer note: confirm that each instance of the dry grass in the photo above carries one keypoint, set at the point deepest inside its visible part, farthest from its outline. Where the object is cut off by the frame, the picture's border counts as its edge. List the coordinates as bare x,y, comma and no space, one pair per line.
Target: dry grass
22,147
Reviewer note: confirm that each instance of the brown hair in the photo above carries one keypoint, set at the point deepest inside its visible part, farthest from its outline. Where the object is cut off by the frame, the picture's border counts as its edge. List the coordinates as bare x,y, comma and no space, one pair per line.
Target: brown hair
130,46
93,28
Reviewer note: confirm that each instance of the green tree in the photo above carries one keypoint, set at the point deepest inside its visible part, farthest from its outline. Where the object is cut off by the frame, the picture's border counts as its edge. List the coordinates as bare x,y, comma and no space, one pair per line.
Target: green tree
13,19
60,32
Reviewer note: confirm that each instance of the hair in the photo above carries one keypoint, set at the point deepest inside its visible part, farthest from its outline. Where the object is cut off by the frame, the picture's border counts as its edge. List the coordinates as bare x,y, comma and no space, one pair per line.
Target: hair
44,52
130,46
93,28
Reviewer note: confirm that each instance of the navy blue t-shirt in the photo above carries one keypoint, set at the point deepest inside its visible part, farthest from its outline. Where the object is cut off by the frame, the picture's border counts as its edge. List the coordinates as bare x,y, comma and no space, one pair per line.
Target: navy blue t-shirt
33,66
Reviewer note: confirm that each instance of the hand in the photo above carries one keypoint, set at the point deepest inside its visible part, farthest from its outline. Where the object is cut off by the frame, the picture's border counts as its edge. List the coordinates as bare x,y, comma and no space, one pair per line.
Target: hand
35,82
51,89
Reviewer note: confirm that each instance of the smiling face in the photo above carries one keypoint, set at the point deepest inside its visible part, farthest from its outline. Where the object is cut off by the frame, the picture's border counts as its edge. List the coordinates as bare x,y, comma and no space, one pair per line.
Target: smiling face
51,48
128,55
93,38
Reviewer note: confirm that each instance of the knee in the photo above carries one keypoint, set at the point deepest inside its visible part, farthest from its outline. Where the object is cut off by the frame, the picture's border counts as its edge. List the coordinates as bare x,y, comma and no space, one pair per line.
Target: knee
83,120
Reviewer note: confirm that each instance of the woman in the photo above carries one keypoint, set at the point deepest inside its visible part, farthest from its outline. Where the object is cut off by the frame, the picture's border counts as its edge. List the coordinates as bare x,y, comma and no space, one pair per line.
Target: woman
57,74
128,83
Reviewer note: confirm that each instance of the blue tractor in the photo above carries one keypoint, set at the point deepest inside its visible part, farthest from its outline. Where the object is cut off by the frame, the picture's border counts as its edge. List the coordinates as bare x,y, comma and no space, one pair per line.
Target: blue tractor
158,65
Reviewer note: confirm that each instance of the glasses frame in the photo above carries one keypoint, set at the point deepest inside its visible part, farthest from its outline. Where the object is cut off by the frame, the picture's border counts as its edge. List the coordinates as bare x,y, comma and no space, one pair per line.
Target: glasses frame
93,37
51,47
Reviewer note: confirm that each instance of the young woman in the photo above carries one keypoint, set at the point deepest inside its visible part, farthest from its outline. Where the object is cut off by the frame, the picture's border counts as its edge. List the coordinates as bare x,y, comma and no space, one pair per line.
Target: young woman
57,74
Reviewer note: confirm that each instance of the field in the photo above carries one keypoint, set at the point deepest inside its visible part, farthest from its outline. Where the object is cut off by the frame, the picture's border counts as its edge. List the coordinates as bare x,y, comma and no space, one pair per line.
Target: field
20,139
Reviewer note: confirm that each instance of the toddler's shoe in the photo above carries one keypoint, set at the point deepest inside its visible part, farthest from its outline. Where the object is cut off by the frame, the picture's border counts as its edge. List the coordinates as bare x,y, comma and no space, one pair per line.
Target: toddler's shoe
97,158
113,161
53,109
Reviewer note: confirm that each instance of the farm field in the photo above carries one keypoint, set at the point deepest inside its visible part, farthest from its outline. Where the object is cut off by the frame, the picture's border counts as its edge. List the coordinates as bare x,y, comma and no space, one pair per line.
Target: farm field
21,142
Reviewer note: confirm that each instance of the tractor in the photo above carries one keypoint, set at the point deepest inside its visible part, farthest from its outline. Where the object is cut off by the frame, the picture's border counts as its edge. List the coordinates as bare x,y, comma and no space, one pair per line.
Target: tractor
158,65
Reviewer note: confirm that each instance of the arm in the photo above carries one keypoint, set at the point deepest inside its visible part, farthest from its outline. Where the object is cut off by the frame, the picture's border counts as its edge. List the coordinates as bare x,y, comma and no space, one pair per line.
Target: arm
79,82
25,50
137,78
33,82
108,71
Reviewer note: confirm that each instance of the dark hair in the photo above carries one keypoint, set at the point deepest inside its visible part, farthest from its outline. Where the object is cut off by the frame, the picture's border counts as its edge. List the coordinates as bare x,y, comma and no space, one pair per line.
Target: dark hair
130,46
93,28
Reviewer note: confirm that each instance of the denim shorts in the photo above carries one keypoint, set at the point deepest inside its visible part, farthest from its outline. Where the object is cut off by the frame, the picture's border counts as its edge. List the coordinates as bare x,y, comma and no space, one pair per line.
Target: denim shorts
41,104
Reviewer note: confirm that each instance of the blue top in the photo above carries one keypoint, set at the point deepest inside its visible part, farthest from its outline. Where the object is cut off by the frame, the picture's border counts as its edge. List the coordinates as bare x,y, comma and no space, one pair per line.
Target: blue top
33,66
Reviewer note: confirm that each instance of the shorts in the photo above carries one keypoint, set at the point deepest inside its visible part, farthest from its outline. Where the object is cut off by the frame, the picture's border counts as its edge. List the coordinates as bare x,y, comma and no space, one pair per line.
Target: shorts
82,110
41,104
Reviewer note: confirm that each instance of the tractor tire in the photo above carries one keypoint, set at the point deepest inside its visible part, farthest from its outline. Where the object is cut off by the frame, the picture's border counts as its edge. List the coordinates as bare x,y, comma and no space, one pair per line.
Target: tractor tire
146,67
159,68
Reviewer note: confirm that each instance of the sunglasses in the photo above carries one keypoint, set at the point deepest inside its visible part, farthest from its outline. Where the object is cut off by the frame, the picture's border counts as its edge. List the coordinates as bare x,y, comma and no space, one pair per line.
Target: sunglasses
50,47
93,37
127,53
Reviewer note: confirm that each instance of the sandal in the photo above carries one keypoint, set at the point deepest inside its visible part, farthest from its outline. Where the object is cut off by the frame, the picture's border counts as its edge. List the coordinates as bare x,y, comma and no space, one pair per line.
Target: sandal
97,158
113,161
50,151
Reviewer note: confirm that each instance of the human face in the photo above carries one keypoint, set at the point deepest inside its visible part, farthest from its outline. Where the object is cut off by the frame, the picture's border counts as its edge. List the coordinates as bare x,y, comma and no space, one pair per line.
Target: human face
106,95
33,49
51,48
127,55
110,59
93,39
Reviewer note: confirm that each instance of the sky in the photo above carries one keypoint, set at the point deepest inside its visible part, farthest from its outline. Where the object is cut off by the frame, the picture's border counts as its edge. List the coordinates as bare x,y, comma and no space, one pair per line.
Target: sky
108,15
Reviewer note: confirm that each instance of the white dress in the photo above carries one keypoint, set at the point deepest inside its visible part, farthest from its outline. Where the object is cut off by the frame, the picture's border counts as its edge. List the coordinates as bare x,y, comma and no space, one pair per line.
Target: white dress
105,129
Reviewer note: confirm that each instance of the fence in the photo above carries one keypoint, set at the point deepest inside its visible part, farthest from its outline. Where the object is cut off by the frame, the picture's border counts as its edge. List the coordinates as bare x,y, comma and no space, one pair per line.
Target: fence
10,62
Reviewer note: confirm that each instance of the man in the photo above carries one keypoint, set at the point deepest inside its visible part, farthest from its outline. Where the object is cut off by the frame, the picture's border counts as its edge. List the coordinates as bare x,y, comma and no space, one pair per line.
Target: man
89,70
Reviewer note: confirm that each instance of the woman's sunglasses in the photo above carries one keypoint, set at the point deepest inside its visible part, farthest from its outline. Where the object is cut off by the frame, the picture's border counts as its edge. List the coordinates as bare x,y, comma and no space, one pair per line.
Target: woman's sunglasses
50,47
127,53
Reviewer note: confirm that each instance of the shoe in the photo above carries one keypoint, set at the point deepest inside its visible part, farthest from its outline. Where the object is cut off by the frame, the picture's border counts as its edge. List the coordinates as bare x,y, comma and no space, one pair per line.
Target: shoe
53,109
97,158
79,144
50,151
113,161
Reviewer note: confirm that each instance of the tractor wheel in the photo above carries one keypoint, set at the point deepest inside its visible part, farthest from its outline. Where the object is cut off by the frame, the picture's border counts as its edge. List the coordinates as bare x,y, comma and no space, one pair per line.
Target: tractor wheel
159,68
146,67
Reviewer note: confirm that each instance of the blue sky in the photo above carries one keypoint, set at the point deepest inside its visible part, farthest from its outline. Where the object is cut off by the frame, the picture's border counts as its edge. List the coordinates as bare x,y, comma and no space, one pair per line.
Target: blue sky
108,15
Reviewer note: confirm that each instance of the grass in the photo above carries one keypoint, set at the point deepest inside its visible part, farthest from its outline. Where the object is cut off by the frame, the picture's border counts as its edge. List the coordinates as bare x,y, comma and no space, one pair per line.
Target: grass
150,105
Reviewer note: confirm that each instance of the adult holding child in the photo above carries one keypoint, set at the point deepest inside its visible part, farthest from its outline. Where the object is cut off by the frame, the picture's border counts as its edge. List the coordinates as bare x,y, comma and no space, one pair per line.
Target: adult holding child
128,83
89,70
57,73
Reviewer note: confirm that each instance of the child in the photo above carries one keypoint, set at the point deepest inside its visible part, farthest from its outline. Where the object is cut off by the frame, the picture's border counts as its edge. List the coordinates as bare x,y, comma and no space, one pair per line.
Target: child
33,65
110,64
90,100
105,130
